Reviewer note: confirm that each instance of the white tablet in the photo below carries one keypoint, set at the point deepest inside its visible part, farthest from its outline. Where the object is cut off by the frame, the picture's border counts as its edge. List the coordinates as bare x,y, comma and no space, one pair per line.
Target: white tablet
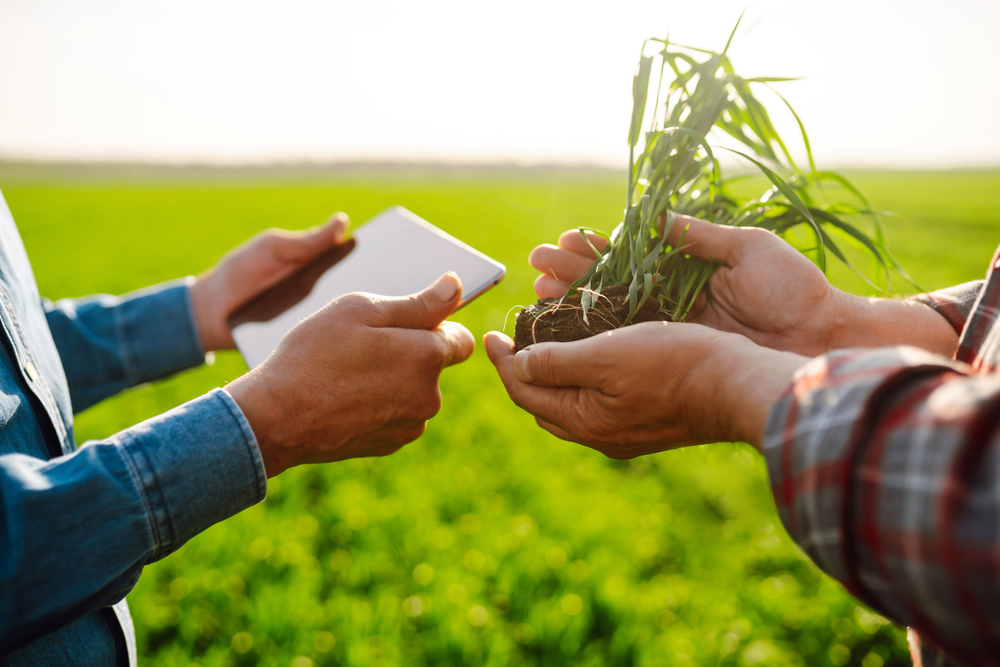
394,254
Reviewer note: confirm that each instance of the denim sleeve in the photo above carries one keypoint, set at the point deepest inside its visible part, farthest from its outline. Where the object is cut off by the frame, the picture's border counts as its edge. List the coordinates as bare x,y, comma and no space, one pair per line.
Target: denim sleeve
108,343
76,531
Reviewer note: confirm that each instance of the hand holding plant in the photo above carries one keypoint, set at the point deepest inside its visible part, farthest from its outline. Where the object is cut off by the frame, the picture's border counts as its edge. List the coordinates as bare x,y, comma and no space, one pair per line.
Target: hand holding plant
763,288
646,269
768,291
646,388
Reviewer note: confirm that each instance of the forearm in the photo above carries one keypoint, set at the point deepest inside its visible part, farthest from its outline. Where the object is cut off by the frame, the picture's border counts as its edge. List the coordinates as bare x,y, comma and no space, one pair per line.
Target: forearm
884,469
890,322
114,506
107,343
931,321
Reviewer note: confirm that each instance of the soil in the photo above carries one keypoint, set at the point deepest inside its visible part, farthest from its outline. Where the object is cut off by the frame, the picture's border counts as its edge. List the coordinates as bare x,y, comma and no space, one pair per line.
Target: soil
565,323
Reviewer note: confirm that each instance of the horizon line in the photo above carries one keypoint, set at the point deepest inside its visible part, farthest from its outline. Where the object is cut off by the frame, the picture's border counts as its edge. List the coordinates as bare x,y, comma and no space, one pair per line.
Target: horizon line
27,169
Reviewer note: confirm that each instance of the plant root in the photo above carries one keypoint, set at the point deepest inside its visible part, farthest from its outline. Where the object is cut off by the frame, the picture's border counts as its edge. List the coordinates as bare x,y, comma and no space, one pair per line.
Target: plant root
549,321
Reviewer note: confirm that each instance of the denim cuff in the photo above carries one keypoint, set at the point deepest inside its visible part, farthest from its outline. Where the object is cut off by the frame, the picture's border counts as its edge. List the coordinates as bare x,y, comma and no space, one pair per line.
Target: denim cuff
195,465
156,332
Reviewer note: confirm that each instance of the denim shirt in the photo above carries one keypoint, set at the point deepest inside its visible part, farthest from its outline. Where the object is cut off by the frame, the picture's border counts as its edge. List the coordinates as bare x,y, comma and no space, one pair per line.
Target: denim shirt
77,525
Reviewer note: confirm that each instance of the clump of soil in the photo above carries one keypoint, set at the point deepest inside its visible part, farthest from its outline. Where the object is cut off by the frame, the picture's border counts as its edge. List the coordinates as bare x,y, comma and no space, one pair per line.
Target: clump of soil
542,323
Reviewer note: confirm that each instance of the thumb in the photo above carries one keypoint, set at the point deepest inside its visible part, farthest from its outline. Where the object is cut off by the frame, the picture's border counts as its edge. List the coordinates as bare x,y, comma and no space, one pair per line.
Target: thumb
332,232
425,309
707,240
307,245
574,364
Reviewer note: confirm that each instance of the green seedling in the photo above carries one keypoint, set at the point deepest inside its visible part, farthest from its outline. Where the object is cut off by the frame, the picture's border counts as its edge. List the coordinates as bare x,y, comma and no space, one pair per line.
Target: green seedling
694,94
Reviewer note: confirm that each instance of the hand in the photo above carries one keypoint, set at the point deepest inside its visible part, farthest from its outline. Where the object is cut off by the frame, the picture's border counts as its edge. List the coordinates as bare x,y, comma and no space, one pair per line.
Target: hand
252,268
357,378
769,292
646,388
766,290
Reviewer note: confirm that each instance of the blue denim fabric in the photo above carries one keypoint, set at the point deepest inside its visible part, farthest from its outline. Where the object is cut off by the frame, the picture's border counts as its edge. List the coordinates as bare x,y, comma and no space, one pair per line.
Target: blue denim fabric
78,525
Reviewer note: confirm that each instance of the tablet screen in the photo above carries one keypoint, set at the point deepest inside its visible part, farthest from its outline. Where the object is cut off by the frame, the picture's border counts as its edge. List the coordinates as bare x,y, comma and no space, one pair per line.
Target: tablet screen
394,254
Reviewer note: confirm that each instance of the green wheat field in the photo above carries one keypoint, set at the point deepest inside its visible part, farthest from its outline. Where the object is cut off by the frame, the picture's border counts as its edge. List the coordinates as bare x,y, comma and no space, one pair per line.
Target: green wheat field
487,541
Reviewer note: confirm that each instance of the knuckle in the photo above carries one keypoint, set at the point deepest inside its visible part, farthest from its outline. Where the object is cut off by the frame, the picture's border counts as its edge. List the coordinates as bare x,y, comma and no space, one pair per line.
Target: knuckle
421,405
431,404
353,299
757,234
271,239
405,436
355,304
431,357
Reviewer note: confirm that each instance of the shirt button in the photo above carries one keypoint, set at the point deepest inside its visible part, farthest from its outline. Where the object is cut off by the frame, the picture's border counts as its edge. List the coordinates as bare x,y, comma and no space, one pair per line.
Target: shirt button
32,372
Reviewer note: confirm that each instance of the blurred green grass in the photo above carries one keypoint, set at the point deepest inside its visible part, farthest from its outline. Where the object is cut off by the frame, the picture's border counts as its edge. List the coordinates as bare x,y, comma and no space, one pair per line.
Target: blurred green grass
487,542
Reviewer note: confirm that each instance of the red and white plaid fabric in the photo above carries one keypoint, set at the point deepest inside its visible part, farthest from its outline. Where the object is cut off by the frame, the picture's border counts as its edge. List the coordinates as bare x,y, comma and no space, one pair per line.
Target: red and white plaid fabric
885,469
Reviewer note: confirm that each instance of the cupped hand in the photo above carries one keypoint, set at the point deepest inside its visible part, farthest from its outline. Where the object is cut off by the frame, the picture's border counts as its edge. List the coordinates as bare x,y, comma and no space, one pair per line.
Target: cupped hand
250,269
357,378
764,290
646,388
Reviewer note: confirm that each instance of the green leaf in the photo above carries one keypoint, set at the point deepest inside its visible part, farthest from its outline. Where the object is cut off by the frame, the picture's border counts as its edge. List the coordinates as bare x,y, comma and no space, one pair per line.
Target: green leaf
597,253
640,90
780,183
680,174
802,127
633,293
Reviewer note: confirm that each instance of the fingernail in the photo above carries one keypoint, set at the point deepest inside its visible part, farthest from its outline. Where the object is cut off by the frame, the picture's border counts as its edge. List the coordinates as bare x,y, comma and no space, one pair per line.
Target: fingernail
446,287
521,366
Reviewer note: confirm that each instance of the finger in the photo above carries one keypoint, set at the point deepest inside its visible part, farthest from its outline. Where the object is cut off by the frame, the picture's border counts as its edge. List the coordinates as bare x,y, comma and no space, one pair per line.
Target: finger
700,308
563,265
400,432
332,232
560,433
708,240
425,309
549,403
499,348
547,287
455,342
575,364
304,246
383,441
572,241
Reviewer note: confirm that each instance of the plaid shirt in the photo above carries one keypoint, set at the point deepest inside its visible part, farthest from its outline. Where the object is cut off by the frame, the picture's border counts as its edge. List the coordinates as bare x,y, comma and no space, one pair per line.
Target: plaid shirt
885,469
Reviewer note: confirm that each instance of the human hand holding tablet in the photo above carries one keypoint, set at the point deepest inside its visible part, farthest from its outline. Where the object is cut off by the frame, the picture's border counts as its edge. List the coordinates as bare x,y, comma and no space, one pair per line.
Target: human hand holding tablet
396,253
338,373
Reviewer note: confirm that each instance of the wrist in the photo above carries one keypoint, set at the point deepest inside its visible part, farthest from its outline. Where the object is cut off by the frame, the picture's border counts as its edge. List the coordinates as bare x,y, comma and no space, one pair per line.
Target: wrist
751,379
849,314
872,322
252,394
205,312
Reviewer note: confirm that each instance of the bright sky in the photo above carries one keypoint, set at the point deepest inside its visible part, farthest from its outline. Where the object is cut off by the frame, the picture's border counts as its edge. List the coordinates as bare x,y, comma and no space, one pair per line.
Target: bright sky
893,83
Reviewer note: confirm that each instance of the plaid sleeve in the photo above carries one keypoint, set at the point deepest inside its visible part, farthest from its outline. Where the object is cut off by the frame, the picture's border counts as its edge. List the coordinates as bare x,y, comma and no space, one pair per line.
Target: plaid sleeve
885,469
953,303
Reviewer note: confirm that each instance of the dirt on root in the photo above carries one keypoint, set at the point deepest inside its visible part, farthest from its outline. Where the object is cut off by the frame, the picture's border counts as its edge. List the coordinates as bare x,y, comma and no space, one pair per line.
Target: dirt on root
542,323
